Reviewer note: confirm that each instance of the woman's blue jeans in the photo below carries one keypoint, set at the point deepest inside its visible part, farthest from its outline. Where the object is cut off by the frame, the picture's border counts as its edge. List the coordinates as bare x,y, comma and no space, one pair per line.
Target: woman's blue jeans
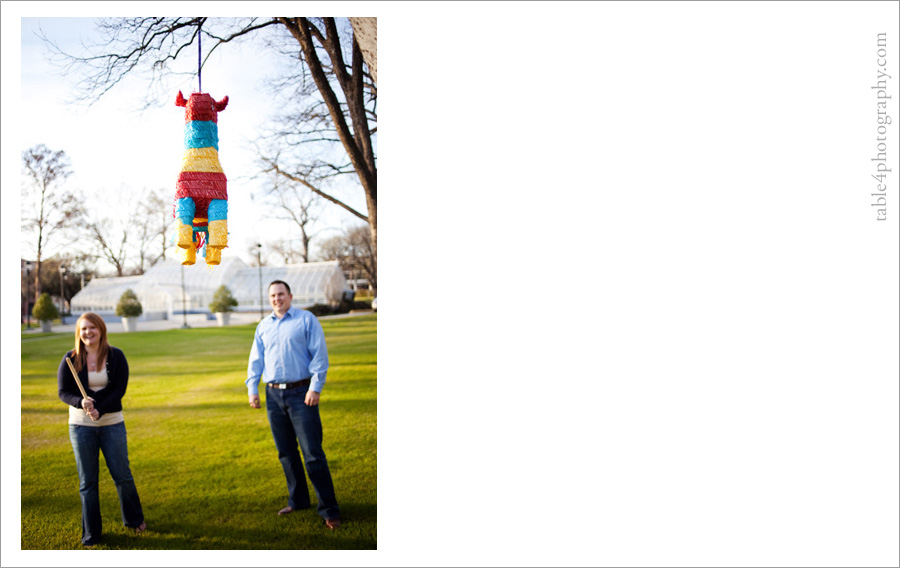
291,420
88,442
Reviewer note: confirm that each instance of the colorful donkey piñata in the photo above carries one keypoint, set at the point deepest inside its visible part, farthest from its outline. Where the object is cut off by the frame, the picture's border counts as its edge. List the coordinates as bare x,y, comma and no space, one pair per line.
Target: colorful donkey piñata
201,199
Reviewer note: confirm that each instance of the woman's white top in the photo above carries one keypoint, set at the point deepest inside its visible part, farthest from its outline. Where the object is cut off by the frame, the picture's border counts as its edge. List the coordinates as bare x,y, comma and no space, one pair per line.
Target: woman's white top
97,380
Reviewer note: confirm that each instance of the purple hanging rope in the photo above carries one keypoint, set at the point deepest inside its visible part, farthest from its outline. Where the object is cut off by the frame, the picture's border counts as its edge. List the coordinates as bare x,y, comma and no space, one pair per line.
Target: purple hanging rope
199,61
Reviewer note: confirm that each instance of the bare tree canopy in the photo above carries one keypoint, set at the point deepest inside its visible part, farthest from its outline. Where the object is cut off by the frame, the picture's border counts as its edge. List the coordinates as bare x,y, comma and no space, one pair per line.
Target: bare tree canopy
156,223
150,48
328,133
354,251
298,207
110,234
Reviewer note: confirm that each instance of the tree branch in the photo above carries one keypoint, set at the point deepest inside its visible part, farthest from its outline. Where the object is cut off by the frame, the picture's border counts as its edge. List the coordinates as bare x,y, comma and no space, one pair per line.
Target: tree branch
273,167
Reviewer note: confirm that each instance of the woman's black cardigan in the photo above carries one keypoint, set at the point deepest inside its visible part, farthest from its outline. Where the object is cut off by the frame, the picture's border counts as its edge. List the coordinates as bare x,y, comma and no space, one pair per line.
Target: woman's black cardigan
107,399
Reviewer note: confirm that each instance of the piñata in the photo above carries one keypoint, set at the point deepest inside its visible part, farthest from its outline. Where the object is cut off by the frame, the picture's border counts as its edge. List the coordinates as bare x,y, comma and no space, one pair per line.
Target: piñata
201,197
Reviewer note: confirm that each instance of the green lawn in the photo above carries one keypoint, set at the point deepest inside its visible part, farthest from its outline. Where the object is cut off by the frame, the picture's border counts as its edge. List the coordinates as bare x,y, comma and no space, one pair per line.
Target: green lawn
204,462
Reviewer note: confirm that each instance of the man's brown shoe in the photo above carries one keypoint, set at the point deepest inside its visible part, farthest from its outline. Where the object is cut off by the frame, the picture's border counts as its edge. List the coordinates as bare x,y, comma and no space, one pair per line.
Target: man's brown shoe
285,511
332,523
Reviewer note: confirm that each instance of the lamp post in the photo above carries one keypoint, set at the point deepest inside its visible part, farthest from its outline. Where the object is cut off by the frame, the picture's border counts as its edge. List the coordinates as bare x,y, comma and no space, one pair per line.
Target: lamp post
259,262
183,302
62,294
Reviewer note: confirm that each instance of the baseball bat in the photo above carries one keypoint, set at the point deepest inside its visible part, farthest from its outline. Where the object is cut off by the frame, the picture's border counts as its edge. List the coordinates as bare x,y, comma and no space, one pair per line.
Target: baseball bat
77,380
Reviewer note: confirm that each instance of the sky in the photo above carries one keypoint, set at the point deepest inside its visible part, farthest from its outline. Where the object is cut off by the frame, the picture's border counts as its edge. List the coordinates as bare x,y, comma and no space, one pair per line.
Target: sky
116,147
636,307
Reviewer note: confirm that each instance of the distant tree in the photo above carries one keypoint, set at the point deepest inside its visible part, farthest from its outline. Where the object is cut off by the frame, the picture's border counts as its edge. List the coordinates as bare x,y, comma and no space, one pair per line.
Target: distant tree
111,242
284,250
354,251
292,203
46,208
113,238
76,265
44,310
153,221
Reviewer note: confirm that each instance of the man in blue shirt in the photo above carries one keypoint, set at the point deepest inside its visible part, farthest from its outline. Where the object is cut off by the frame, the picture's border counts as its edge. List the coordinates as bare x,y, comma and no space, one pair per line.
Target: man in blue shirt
290,356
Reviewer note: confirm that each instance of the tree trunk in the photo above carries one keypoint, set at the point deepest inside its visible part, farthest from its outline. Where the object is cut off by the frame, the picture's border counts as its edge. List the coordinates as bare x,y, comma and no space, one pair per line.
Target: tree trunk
366,32
305,240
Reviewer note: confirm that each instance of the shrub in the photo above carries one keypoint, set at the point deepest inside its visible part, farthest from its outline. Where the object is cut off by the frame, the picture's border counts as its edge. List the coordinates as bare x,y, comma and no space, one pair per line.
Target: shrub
320,310
128,305
347,307
44,309
222,301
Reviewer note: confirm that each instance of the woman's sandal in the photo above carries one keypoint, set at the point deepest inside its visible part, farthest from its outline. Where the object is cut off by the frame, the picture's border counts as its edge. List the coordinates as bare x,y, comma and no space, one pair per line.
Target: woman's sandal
141,528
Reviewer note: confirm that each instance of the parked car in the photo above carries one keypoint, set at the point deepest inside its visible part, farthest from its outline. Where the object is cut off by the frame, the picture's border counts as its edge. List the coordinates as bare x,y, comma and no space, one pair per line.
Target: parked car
375,304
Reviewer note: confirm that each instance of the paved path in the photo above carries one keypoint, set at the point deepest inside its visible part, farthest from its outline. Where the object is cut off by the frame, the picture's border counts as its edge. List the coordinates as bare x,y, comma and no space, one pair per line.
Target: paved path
193,320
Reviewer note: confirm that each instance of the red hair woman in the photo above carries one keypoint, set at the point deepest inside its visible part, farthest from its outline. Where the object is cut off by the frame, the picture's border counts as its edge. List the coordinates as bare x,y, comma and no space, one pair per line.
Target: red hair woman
96,424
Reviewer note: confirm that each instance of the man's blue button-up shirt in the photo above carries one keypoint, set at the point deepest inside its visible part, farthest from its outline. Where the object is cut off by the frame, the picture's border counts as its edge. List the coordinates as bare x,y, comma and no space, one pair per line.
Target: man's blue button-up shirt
288,349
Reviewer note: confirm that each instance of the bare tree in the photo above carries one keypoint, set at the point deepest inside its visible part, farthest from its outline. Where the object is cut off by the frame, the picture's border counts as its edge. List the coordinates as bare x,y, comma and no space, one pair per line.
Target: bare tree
283,249
113,237
297,206
153,220
354,251
161,206
110,248
342,114
46,209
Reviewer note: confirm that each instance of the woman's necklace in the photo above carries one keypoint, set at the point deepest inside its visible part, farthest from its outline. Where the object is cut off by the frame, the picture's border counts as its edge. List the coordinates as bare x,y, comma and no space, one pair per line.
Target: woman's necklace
92,365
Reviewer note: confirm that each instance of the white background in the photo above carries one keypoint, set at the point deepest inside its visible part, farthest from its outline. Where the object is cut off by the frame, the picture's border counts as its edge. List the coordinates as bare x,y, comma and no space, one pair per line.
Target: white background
636,309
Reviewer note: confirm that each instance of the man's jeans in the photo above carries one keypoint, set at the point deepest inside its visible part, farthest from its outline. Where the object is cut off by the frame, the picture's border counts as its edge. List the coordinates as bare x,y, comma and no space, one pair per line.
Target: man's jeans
291,420
87,442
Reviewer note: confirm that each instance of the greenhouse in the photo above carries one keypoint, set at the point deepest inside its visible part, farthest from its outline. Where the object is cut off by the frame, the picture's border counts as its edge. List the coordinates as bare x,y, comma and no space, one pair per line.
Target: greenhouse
170,288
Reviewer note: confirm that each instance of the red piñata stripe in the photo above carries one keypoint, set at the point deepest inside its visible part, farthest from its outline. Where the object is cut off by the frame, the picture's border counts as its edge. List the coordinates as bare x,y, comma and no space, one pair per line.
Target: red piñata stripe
210,185
202,206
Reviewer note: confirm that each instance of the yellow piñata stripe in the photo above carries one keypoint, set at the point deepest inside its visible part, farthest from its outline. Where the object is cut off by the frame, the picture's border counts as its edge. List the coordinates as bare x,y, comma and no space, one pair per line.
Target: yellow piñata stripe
201,160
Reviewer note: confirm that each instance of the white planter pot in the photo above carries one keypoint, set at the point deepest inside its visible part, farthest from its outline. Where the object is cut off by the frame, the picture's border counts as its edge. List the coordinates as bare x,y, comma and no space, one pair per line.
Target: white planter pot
130,324
46,326
223,318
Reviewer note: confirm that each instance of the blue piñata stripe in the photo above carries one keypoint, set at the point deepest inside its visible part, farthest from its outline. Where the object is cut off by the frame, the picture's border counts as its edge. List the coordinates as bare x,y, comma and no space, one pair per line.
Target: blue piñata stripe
184,210
217,210
201,134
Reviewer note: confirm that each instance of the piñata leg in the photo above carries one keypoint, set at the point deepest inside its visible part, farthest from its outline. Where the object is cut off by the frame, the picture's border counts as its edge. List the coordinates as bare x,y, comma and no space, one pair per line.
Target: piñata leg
190,256
213,255
184,212
218,225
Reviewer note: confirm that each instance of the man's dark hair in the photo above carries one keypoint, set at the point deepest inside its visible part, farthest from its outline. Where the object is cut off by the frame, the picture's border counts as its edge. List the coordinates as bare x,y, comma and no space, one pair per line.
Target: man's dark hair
286,285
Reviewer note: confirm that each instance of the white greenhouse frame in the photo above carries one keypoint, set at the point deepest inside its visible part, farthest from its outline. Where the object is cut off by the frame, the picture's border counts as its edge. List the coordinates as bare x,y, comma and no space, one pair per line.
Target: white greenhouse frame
160,292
